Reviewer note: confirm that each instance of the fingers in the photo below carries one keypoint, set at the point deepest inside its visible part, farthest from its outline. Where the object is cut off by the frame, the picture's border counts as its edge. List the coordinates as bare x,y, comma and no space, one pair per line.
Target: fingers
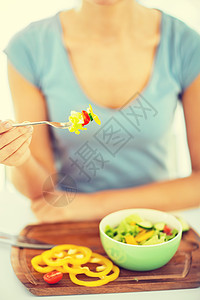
10,148
11,135
5,126
20,155
14,143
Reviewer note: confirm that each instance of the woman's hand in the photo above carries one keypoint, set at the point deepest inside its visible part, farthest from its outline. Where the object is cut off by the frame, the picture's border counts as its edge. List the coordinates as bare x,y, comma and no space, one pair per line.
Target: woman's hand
14,144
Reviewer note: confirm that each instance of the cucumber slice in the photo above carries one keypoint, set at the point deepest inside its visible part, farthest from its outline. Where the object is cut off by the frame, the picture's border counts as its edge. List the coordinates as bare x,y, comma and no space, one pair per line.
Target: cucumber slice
184,224
145,224
159,226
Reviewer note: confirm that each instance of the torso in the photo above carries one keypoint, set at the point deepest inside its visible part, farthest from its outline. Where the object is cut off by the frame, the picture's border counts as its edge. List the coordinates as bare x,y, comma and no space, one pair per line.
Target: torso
110,74
135,142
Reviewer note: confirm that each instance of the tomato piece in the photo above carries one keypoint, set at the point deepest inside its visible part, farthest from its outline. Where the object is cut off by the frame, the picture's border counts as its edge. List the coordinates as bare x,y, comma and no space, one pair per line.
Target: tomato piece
167,230
53,277
86,117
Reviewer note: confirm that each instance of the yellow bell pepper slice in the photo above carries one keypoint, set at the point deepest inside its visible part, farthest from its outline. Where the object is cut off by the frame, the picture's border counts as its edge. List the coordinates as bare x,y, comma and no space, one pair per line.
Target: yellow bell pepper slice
75,269
39,265
100,259
95,258
60,269
130,240
144,236
76,259
141,233
95,117
103,280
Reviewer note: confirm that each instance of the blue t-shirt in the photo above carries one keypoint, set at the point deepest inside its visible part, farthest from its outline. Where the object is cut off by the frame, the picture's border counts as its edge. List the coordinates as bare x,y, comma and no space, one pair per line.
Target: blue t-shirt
132,146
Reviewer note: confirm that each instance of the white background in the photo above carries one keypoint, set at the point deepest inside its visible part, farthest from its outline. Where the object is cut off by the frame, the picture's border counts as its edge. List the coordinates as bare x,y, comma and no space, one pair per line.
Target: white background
16,14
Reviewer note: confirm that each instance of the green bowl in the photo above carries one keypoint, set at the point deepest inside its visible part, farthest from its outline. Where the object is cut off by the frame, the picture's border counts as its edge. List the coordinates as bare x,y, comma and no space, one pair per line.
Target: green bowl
140,257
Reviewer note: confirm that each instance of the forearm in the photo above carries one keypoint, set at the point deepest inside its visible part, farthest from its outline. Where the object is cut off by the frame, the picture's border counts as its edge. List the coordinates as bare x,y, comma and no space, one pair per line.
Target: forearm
57,207
29,178
169,195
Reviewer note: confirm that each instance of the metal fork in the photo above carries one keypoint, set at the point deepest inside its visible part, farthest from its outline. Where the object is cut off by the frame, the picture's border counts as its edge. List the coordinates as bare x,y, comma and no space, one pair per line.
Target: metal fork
62,125
23,241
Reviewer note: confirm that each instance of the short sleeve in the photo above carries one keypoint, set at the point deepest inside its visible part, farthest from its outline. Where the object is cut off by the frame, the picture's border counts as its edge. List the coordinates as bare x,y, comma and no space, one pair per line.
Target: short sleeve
21,53
189,56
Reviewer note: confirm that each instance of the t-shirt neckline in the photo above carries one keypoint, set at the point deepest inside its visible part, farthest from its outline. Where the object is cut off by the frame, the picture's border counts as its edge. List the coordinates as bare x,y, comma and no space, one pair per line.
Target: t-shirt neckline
77,82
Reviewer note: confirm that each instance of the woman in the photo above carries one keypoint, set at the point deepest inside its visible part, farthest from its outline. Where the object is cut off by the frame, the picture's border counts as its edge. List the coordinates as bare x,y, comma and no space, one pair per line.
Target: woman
105,53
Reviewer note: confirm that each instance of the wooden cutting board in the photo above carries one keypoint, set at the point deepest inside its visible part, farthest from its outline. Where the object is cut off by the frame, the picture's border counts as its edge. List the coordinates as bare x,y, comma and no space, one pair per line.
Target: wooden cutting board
183,271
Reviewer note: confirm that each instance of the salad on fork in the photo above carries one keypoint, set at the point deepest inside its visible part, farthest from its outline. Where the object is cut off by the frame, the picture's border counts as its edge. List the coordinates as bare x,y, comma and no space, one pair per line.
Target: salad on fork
79,120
